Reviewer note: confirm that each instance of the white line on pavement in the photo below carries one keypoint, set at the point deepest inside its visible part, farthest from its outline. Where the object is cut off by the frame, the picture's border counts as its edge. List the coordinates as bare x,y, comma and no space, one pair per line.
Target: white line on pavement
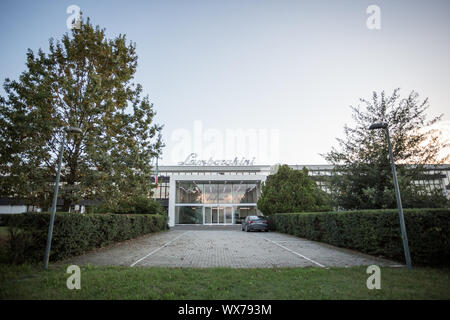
296,253
156,250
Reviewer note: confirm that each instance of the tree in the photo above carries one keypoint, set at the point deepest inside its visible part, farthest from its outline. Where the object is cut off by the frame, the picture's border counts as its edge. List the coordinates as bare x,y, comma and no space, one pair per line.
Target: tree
363,176
291,190
84,81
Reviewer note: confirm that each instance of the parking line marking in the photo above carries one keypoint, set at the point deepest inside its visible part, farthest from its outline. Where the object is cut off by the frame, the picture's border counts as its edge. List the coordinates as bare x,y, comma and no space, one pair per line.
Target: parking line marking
156,250
296,253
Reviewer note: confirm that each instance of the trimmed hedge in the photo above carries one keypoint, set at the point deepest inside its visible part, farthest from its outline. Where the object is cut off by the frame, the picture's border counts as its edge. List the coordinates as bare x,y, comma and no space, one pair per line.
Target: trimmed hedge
74,233
376,232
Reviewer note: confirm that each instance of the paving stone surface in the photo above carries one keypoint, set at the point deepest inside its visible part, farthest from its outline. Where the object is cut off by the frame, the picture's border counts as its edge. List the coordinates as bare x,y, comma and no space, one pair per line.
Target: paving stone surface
228,246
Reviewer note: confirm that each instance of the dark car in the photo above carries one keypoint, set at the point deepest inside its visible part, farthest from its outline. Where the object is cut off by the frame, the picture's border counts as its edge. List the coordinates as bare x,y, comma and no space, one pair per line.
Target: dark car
255,223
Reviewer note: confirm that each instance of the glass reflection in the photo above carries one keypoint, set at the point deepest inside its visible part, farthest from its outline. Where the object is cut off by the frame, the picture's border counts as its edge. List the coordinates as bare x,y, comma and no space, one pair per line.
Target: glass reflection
208,215
216,193
189,192
228,215
210,193
238,193
250,193
188,215
241,212
225,193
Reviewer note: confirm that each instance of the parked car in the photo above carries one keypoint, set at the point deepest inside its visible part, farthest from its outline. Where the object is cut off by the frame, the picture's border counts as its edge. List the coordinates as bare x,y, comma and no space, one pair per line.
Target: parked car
255,223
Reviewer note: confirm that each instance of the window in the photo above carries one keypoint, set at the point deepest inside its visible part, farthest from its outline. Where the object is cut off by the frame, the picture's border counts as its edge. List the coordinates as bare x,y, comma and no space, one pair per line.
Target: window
238,193
250,194
225,193
210,191
189,192
188,215
241,212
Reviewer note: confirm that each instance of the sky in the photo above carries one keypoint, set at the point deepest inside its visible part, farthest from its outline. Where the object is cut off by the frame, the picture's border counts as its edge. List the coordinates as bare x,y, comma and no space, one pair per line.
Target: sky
271,81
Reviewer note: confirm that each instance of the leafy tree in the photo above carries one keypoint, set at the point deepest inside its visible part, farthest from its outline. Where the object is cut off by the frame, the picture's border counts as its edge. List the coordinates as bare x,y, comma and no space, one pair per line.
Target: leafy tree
363,176
84,81
291,190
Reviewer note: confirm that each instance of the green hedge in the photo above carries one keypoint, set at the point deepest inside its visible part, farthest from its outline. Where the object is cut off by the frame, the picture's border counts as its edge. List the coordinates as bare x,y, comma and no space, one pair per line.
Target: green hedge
74,233
375,232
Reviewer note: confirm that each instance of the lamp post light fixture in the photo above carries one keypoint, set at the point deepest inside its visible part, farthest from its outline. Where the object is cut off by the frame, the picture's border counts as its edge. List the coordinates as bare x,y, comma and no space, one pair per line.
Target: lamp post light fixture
383,125
67,130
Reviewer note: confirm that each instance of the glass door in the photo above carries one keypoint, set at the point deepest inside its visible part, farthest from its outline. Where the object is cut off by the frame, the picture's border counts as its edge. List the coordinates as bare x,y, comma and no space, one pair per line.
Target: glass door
228,215
215,215
208,215
221,212
218,215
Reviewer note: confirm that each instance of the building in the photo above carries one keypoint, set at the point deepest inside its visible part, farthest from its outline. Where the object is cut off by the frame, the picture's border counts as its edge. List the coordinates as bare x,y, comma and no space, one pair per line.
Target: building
225,193
12,206
222,194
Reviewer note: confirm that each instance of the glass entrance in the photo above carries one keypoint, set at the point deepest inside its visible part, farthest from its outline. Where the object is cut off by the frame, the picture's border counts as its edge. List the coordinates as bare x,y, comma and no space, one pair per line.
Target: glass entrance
228,215
208,215
218,215
215,215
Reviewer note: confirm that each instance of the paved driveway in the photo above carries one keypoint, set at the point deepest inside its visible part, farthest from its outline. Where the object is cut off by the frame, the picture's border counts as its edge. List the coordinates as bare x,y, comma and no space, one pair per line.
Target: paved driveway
225,247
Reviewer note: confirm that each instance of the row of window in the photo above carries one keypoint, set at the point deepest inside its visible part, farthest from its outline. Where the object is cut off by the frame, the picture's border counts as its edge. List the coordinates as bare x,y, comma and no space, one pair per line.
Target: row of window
213,193
209,173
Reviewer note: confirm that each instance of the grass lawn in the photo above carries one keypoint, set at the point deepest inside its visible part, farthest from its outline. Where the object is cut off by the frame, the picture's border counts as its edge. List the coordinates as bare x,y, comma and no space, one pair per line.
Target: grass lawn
31,282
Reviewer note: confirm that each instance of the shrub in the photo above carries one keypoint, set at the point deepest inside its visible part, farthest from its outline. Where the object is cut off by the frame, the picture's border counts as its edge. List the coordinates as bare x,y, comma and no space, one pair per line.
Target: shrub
139,205
134,205
376,232
291,190
73,233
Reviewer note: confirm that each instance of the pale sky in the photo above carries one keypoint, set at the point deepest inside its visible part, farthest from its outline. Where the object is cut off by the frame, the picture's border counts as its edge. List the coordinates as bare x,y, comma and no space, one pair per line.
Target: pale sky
285,70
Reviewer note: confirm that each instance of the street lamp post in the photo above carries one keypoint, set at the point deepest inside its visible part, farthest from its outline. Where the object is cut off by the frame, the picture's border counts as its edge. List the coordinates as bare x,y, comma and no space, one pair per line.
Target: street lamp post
55,194
384,126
